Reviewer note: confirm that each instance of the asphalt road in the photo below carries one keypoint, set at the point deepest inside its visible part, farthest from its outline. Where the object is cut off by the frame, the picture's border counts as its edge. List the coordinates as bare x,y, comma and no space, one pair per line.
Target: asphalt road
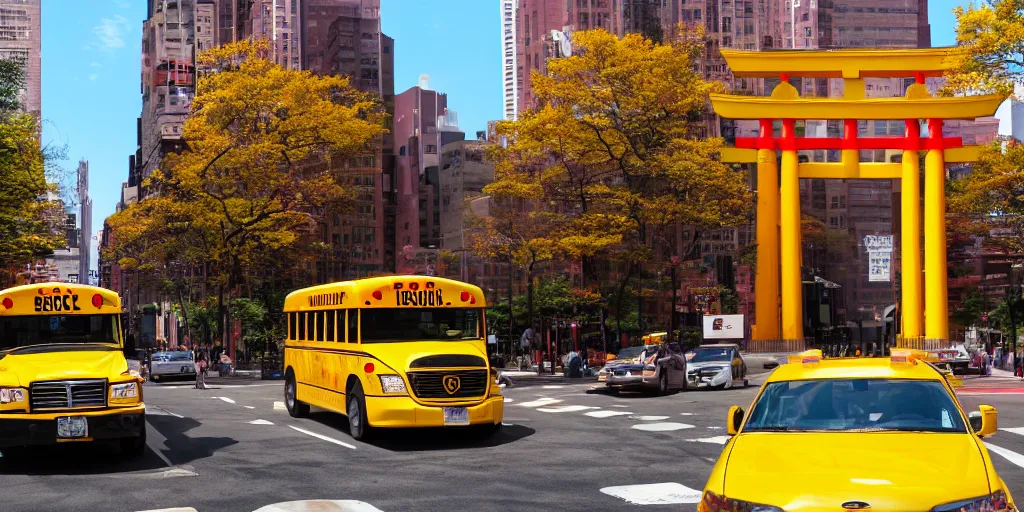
236,449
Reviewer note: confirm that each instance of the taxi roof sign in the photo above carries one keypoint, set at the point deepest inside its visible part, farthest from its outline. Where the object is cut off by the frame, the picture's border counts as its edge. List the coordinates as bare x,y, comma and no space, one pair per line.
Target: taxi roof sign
807,357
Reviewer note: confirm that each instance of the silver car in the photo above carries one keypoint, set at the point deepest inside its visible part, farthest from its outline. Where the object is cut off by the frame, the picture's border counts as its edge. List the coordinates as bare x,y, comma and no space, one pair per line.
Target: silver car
164,365
717,366
659,368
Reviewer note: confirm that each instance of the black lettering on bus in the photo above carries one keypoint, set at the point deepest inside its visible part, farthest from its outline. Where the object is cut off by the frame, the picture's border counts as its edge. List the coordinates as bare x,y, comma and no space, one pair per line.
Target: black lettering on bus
57,304
39,303
74,303
67,303
48,303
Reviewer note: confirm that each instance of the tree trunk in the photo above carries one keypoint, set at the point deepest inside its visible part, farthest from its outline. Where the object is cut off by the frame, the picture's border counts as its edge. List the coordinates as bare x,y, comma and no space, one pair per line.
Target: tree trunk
221,313
529,293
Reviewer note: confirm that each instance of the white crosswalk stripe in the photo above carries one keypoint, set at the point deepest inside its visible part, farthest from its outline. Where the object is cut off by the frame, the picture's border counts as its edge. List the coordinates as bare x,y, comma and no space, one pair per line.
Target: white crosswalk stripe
566,408
540,402
1017,430
1009,455
298,506
667,493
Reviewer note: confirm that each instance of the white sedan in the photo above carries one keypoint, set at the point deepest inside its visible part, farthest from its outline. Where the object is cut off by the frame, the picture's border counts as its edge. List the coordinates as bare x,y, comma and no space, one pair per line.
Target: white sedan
716,366
172,364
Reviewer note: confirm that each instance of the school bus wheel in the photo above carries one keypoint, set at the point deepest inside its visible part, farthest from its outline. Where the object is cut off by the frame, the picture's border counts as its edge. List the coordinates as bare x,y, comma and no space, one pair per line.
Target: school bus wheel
296,408
358,427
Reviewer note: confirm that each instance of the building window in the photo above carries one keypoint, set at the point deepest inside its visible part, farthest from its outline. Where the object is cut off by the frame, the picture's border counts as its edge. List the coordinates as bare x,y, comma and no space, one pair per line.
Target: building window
431,149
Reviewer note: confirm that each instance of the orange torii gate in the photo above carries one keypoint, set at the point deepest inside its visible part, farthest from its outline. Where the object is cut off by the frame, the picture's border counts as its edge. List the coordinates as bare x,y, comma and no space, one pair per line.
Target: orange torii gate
925,322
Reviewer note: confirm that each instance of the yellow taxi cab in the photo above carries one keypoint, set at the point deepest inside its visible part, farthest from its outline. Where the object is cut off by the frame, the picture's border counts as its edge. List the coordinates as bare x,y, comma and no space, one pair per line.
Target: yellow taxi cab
392,352
63,373
856,434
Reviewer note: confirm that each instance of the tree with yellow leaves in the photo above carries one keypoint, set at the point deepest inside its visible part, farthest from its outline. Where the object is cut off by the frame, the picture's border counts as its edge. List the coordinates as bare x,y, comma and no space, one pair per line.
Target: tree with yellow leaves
245,193
615,149
991,37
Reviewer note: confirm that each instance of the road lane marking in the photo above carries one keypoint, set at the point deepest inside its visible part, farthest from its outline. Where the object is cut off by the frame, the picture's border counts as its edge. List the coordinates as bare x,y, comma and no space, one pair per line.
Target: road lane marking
322,437
667,426
156,410
540,402
279,406
606,413
1018,430
320,506
1009,455
178,509
619,405
716,428
686,414
248,407
507,400
260,422
226,399
711,440
566,408
667,493
552,387
648,418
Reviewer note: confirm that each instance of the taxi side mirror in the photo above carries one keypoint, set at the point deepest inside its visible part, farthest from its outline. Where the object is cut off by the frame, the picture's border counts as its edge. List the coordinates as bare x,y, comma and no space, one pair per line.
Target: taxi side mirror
735,420
984,421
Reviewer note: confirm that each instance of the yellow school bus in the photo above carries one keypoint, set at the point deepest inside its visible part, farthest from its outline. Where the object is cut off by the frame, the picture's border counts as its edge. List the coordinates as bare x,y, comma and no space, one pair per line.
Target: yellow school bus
397,351
63,372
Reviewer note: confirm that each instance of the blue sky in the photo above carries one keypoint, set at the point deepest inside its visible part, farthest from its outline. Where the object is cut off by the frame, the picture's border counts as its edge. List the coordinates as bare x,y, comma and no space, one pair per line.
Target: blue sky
92,56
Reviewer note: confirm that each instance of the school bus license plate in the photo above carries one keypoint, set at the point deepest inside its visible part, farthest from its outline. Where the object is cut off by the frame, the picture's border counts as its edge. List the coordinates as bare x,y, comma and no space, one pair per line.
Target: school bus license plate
456,415
72,427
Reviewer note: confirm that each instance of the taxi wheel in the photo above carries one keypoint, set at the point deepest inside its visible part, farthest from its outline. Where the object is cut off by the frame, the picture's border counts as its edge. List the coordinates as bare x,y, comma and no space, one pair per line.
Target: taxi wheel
358,427
296,409
134,447
154,378
663,385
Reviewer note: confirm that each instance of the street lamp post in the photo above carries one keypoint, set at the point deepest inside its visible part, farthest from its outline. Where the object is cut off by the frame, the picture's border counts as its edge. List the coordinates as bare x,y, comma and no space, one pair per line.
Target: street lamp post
1013,295
675,291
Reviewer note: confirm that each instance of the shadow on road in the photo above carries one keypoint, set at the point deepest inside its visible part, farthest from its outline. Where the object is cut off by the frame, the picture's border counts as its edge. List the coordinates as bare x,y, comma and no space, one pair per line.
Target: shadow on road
182,449
104,457
429,439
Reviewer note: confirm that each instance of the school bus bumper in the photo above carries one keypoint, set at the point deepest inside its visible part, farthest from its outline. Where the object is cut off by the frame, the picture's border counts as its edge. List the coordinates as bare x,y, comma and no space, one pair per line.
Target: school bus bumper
403,411
41,429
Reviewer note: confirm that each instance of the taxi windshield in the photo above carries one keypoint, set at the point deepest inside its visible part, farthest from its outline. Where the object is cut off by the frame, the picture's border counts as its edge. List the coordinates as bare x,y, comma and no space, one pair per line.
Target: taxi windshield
855,405
20,331
420,324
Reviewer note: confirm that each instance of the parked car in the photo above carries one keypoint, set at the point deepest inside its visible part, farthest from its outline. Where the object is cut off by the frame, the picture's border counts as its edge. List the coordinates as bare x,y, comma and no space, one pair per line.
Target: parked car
716,366
659,368
176,364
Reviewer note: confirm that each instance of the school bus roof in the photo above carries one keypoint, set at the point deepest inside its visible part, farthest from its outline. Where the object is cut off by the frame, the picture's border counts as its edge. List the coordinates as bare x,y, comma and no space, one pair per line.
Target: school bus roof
387,292
20,300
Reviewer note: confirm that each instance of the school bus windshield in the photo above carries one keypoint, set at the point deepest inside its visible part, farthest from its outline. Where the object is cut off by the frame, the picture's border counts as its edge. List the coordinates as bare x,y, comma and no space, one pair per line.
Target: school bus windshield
20,331
384,325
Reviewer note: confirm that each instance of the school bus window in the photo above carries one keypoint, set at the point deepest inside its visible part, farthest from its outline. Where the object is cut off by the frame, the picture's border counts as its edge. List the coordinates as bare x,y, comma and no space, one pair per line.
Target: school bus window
421,324
302,327
330,325
317,326
339,317
353,326
311,326
292,327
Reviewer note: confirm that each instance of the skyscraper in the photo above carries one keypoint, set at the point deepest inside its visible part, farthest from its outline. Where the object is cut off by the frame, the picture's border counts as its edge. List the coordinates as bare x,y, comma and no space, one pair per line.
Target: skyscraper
509,73
85,232
278,22
343,37
20,36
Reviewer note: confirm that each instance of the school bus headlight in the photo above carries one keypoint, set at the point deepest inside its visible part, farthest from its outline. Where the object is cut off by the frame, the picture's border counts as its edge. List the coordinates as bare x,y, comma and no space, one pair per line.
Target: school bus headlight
124,391
392,384
12,396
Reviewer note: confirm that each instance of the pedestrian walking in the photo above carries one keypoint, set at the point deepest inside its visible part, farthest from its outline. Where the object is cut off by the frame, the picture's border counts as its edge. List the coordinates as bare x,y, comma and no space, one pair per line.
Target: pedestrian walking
201,371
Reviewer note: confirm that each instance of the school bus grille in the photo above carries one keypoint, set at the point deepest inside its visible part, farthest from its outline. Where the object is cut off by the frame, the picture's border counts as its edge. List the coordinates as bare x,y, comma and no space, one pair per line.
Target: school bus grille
472,383
68,394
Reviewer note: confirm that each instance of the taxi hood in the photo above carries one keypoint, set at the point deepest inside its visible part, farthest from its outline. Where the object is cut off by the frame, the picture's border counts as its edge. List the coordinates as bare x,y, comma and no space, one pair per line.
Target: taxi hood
401,355
25,365
891,471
